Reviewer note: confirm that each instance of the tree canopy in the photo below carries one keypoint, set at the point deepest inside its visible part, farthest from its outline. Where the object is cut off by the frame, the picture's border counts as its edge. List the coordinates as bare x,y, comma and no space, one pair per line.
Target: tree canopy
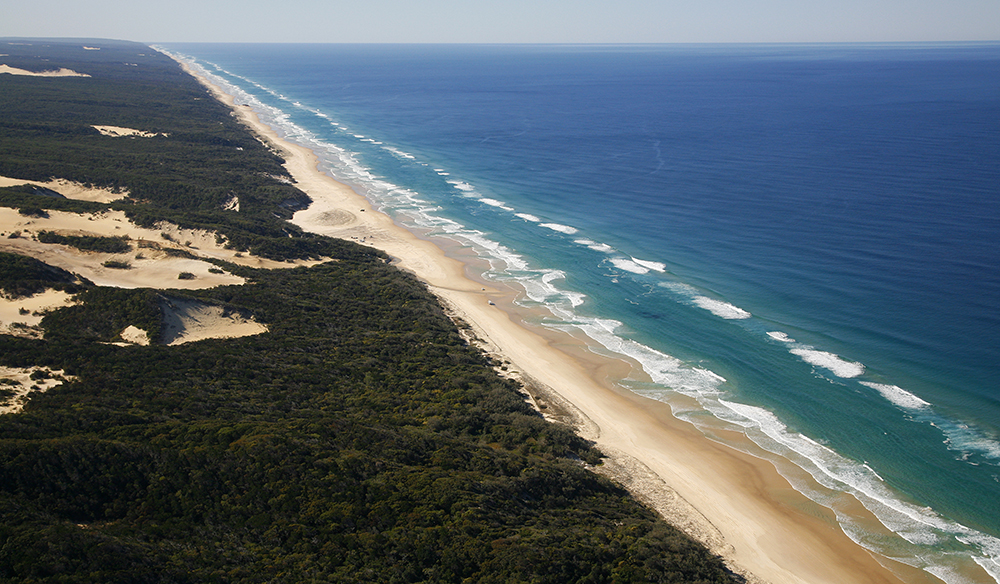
360,439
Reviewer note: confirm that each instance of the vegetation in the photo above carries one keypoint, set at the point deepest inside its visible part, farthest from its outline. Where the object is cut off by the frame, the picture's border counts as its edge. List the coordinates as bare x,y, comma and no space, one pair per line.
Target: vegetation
87,242
359,440
24,198
103,313
47,131
21,276
37,212
117,265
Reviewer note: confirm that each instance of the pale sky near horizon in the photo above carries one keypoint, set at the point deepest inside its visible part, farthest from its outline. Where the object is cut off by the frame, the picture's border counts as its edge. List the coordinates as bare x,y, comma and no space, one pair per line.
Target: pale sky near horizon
506,21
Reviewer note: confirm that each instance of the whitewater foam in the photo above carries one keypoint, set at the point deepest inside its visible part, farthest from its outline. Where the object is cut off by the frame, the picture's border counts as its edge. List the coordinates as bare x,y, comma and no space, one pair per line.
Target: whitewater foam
721,309
959,437
829,361
462,186
601,247
495,203
967,439
629,265
680,288
898,396
560,228
662,368
399,153
654,266
921,527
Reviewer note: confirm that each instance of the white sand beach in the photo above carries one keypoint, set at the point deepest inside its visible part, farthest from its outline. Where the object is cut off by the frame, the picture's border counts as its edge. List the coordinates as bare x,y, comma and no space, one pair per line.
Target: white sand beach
735,503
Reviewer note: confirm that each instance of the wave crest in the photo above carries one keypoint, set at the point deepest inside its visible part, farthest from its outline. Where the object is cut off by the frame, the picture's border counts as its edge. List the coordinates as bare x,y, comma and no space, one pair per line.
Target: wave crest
829,361
560,228
721,309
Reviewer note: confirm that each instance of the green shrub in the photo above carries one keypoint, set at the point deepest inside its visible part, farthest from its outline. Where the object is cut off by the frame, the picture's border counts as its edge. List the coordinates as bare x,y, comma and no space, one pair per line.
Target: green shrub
117,265
33,212
87,242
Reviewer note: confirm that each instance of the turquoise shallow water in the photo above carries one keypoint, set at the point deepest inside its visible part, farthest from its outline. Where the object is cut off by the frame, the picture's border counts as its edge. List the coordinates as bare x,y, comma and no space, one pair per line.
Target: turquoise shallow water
803,239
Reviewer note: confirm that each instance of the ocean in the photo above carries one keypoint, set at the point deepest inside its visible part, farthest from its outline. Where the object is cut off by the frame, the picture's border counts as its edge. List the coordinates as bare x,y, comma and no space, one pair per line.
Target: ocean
800,243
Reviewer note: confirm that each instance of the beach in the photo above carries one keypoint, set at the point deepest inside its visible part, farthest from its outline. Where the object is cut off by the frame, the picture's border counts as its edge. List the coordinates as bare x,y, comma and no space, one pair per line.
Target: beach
735,503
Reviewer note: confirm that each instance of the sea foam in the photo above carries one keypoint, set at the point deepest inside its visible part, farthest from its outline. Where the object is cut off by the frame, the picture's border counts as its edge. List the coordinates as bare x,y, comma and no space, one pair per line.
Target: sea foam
655,266
399,153
721,309
462,186
829,361
560,228
634,265
496,203
601,247
629,265
898,396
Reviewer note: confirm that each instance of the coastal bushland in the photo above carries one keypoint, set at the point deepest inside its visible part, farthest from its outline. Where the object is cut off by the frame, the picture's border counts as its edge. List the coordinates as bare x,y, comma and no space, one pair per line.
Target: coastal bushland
361,439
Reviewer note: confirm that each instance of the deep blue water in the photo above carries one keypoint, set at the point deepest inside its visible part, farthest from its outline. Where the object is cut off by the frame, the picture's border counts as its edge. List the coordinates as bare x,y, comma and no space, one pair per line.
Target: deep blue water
803,238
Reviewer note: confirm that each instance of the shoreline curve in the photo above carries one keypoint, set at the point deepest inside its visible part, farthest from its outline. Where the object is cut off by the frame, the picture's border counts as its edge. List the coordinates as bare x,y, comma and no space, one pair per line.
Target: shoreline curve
736,504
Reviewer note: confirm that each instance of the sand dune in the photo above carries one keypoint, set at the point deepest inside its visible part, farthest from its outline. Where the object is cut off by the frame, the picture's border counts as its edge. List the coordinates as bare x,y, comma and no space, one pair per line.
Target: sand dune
21,316
133,335
16,385
69,189
119,132
186,321
153,260
62,72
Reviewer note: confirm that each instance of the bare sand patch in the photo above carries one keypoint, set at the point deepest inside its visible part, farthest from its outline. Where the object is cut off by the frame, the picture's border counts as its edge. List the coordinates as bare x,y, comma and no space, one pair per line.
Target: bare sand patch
134,335
155,261
233,204
17,385
69,189
61,72
119,132
20,317
186,321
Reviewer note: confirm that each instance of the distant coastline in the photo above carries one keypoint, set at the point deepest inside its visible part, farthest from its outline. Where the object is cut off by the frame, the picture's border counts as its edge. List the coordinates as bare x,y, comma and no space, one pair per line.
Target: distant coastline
175,406
736,504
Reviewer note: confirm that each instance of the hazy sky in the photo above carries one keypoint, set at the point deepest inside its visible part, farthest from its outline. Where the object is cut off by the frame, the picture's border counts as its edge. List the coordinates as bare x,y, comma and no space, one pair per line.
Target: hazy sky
502,21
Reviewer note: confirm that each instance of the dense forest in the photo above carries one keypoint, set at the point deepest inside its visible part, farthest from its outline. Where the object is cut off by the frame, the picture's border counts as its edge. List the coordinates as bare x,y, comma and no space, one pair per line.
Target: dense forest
360,439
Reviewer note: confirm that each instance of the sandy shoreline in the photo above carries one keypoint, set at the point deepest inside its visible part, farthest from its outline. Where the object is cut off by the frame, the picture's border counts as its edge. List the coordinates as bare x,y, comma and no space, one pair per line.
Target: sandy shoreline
736,504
